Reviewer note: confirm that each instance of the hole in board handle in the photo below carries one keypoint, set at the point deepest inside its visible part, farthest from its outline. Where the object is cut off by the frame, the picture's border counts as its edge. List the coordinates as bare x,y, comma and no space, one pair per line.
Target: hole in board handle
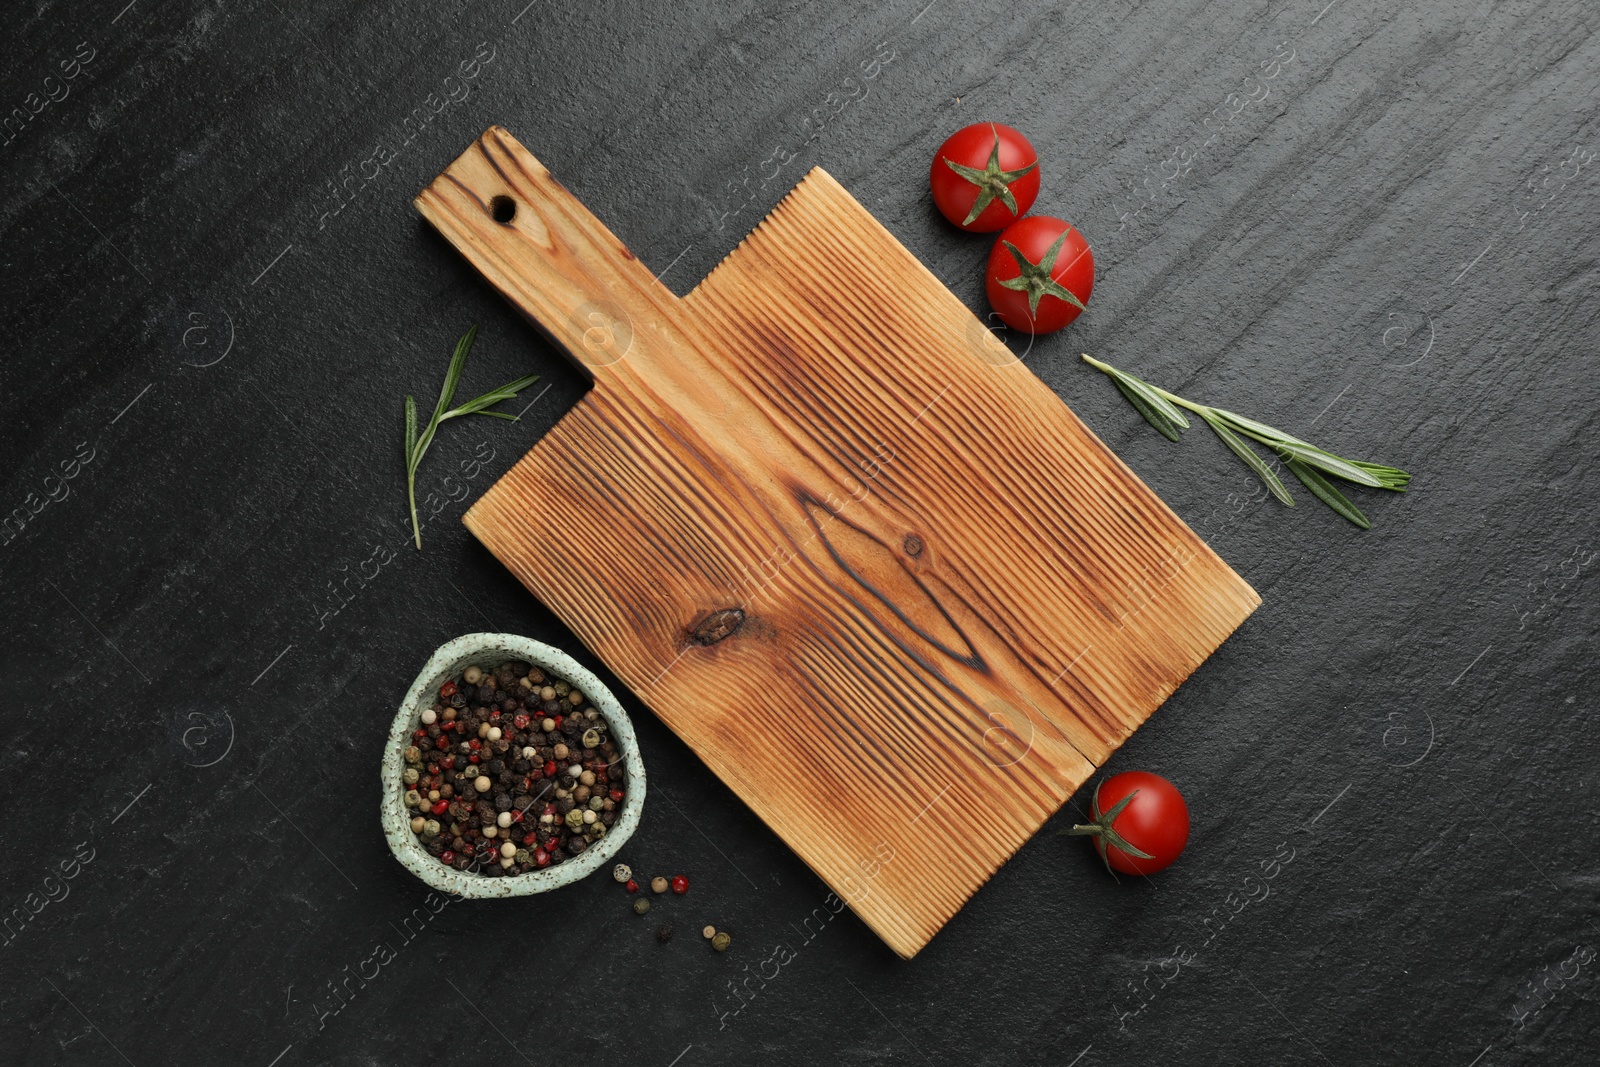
503,208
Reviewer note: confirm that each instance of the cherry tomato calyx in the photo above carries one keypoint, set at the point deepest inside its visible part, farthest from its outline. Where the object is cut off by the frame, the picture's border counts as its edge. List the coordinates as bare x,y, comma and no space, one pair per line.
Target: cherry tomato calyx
1035,278
1099,827
992,182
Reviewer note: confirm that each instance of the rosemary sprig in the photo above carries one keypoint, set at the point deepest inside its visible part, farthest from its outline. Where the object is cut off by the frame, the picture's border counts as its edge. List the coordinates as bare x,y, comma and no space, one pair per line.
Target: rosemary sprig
1307,462
417,444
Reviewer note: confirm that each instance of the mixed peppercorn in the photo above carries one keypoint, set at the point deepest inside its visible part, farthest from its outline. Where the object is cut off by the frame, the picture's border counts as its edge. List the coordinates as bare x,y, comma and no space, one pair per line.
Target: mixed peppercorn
509,771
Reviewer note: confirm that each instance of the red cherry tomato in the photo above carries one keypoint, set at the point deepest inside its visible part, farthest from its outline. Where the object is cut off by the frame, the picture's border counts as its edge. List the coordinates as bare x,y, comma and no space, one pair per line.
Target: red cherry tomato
1152,818
984,177
1040,274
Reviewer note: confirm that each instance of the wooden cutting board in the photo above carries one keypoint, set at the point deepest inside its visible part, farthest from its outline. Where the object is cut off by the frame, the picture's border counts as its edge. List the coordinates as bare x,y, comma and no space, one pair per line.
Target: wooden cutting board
834,534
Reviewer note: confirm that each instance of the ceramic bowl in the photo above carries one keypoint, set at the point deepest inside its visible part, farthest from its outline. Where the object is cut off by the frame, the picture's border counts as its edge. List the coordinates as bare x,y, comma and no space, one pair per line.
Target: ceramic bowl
489,651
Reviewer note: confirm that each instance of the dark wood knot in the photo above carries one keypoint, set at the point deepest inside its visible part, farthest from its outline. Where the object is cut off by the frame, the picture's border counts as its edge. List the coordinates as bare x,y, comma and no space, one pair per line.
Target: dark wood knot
913,545
716,626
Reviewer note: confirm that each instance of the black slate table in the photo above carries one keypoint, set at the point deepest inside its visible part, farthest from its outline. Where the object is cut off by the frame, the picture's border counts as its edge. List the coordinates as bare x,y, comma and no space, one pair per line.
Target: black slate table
1371,224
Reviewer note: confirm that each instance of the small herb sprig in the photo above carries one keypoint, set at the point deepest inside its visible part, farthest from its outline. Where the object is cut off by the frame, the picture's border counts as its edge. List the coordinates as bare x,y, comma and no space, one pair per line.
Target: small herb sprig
417,444
1312,465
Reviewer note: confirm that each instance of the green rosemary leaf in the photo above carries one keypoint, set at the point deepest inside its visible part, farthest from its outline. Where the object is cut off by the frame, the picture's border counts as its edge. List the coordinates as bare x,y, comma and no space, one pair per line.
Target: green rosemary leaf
1152,396
1325,491
1312,456
411,428
1244,452
1391,477
417,444
477,405
1164,426
452,377
1259,430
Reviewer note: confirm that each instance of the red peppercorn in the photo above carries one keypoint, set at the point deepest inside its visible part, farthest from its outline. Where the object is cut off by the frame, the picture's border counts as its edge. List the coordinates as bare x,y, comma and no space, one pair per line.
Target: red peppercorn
617,795
680,884
474,744
468,849
541,857
516,816
549,809
494,717
447,856
447,690
550,768
433,768
442,743
529,838
441,806
522,722
472,758
631,886
419,734
558,722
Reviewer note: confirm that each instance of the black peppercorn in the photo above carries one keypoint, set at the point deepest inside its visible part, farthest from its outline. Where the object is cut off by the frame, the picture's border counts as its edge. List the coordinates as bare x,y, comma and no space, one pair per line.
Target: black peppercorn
664,934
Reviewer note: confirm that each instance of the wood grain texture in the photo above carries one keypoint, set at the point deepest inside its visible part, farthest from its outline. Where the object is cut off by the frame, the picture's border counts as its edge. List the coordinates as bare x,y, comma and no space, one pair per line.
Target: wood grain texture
884,583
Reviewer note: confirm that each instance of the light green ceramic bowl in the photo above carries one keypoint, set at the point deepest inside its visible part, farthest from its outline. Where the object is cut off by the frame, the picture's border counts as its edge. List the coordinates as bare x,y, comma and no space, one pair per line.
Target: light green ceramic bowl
489,651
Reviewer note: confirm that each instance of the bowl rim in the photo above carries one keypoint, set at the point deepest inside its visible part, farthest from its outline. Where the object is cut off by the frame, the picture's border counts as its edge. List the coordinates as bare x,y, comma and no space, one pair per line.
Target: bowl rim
490,650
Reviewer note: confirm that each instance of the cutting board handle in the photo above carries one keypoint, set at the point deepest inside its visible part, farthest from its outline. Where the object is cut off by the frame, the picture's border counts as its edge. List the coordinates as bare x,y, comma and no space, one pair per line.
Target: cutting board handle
547,254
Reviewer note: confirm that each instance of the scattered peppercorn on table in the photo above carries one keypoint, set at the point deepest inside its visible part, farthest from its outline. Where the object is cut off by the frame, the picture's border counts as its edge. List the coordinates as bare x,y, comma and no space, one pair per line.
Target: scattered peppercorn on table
836,535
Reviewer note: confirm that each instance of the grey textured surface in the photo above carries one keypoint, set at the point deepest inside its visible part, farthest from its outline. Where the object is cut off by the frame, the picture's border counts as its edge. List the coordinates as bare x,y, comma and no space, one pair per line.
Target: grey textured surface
1393,253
